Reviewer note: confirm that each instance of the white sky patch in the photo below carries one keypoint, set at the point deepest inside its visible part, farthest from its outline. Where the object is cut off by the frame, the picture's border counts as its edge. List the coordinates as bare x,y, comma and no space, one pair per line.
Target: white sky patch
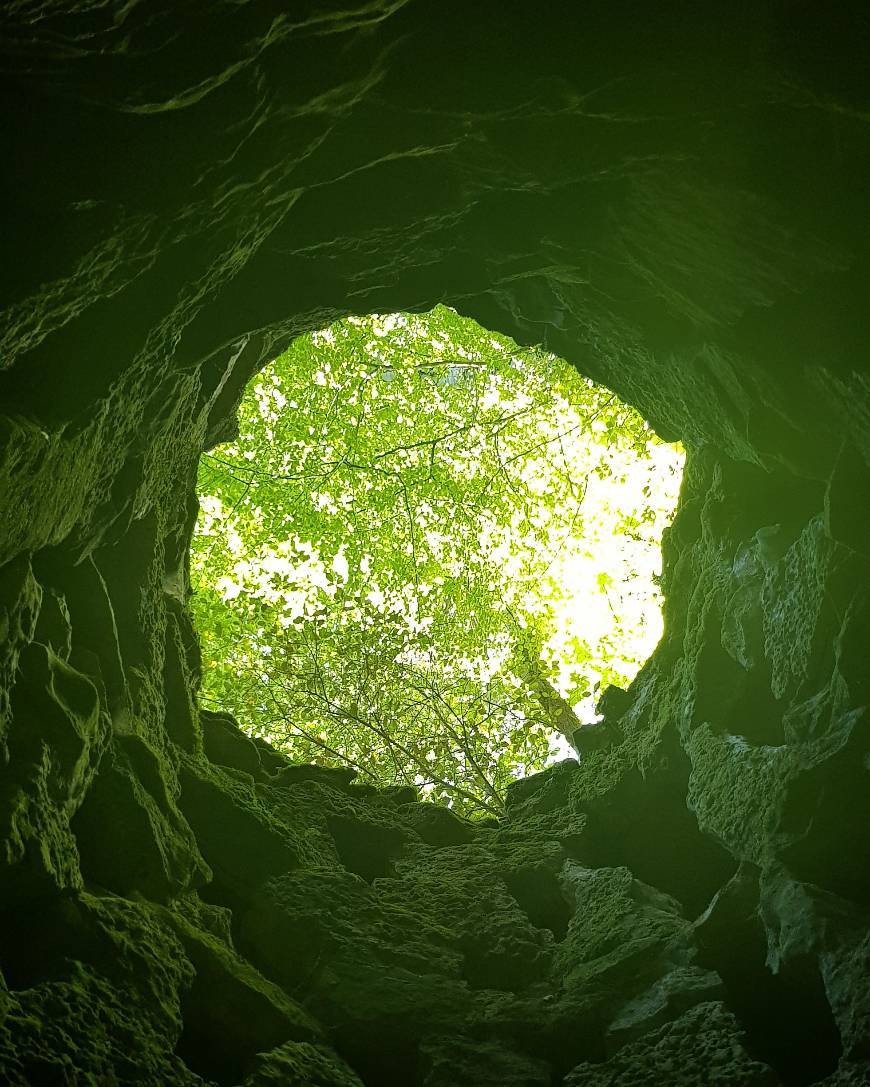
341,566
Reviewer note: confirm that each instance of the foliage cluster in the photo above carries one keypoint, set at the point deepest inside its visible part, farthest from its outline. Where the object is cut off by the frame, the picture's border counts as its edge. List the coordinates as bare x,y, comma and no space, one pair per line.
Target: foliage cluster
425,549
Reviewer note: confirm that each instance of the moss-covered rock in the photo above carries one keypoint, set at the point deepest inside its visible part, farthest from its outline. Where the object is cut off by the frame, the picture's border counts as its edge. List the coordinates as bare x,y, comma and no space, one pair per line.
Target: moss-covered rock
675,203
702,1046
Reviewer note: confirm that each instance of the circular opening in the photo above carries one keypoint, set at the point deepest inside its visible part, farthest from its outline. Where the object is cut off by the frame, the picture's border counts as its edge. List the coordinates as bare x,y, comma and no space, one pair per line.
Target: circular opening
427,553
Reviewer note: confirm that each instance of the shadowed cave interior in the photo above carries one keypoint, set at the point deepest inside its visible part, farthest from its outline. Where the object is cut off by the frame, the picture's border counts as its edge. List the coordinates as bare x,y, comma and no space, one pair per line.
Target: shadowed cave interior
671,198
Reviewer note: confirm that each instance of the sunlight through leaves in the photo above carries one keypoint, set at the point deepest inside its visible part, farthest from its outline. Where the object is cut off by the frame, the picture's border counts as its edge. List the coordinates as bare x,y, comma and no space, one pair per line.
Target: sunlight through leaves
427,552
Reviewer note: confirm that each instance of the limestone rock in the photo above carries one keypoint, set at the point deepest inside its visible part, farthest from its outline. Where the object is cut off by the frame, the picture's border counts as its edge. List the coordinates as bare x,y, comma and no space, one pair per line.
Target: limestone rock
703,1046
674,202
300,1064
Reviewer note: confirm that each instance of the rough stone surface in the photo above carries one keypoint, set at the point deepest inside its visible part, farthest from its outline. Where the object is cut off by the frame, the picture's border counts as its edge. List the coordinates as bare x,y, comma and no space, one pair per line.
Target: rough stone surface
701,1047
673,197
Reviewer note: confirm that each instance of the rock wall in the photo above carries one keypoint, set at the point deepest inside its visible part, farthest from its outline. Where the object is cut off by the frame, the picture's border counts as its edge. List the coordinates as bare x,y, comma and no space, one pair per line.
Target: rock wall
671,196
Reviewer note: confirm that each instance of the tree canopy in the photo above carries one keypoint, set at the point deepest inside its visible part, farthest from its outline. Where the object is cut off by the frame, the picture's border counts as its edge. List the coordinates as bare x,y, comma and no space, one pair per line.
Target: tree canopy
426,548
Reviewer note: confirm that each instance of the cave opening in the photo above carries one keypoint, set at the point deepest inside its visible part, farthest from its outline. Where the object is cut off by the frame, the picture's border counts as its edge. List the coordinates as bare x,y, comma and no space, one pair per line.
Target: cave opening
425,554
673,199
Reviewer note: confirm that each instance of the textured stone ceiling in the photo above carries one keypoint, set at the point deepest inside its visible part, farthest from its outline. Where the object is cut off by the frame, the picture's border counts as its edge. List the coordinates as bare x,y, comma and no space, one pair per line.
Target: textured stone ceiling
672,196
